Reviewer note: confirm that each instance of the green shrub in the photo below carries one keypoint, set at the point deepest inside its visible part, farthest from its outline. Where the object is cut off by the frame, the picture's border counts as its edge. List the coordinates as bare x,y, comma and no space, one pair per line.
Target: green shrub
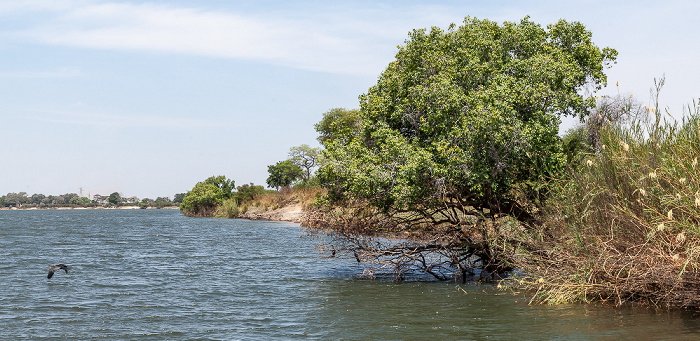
202,200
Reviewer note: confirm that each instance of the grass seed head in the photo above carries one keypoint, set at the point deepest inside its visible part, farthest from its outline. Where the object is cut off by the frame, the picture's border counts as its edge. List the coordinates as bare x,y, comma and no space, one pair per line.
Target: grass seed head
680,238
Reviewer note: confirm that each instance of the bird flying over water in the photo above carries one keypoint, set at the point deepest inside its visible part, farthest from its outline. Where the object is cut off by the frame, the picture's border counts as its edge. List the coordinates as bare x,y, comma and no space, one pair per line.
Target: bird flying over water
54,268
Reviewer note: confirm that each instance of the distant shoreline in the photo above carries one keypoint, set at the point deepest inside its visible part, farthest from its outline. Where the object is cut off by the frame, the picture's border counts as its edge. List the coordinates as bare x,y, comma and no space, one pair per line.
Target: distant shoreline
292,213
86,208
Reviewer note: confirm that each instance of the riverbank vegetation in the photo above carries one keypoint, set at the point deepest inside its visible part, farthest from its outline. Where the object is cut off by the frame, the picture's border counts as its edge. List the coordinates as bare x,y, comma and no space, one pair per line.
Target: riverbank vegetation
453,166
217,196
22,200
293,179
451,148
455,154
622,224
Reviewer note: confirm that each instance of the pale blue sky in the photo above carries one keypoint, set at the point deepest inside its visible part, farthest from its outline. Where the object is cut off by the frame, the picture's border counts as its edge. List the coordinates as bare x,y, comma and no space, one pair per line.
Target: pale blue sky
147,98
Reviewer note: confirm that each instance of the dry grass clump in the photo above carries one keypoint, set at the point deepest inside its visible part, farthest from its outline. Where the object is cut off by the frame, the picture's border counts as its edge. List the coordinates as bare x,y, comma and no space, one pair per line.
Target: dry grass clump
271,200
228,209
625,225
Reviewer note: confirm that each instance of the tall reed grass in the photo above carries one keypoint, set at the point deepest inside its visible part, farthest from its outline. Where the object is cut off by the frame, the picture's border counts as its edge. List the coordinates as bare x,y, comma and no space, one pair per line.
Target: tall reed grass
228,209
624,225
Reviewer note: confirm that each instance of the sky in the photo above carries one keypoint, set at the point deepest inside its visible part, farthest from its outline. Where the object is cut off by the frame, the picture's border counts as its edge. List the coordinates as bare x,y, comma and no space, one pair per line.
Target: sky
147,98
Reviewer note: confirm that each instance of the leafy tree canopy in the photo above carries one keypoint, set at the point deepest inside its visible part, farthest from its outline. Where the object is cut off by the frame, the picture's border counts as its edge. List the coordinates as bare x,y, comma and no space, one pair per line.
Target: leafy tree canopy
206,196
338,124
202,200
16,199
247,192
226,186
283,174
114,198
178,198
463,116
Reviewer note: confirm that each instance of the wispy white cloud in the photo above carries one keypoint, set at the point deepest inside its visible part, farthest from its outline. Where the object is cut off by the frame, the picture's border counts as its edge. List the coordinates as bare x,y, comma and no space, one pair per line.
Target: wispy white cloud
7,6
330,40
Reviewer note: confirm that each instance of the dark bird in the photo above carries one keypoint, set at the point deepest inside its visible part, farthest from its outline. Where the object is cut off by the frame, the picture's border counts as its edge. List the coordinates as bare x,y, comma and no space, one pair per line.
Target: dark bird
54,268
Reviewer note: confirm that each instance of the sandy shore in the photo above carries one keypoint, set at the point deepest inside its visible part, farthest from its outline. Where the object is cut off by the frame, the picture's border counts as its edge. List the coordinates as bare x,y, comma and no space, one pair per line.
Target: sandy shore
291,213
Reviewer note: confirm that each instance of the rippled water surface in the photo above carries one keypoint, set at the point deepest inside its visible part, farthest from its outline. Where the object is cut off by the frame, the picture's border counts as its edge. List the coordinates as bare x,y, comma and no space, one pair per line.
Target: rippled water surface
156,275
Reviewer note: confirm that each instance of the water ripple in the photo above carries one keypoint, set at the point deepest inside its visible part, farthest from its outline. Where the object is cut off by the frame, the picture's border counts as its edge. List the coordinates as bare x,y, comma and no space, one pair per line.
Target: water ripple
156,275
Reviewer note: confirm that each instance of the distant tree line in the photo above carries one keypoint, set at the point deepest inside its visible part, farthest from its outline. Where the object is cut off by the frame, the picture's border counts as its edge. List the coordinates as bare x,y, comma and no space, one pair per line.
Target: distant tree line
23,200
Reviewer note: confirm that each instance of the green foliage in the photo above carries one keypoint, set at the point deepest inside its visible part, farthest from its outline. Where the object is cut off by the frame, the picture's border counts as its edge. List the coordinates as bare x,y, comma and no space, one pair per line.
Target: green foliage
461,117
575,145
248,192
37,198
178,198
226,186
308,184
78,201
15,199
283,174
202,200
22,200
161,202
114,199
339,125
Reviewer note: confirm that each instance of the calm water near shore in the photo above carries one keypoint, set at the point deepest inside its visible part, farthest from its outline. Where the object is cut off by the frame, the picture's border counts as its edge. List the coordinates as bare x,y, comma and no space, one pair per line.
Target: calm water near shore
156,275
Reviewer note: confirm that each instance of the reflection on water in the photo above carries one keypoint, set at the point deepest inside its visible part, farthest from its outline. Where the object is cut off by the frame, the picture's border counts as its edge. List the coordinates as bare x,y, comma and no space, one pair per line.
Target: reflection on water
157,275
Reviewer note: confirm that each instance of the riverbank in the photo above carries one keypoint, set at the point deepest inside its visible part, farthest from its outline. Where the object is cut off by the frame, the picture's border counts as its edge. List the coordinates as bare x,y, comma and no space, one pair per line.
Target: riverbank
291,213
289,205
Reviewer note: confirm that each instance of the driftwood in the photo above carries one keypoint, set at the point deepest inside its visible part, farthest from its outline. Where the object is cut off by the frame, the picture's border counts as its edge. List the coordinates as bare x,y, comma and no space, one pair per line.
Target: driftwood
389,246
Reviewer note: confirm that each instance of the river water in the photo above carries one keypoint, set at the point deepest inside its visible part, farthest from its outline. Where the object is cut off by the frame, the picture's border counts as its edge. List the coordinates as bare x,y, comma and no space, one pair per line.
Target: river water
157,275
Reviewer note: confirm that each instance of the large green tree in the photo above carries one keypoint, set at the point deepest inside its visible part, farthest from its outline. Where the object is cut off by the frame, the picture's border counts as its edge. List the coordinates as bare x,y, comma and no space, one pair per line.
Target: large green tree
461,127
462,116
226,185
202,200
283,174
114,199
206,196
